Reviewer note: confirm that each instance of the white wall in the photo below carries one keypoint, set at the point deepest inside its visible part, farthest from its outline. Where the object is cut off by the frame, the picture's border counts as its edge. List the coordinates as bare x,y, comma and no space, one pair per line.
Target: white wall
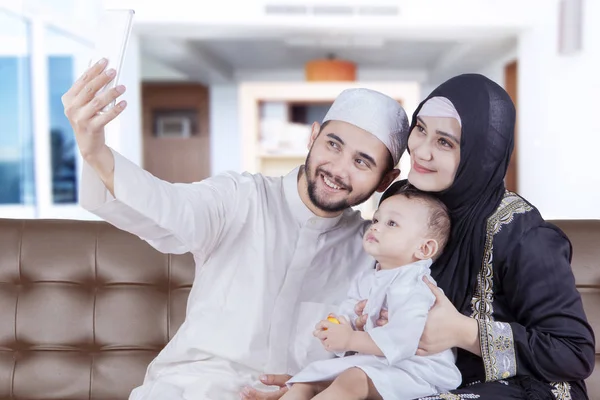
558,129
558,99
125,133
153,70
495,70
225,140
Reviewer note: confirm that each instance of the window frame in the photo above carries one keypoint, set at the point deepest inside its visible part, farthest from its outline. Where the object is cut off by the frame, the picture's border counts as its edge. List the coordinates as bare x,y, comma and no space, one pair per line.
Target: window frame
44,207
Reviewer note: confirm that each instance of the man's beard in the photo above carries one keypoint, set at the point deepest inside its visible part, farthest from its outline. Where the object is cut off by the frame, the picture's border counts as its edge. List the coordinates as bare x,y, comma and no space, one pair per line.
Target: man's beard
323,204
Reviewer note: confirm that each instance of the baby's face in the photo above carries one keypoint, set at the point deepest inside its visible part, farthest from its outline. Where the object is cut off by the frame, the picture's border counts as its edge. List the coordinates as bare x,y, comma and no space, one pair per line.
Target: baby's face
398,230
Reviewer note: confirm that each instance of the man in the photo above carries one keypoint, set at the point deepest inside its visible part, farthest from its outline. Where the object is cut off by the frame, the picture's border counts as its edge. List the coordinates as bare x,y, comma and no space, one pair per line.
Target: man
273,255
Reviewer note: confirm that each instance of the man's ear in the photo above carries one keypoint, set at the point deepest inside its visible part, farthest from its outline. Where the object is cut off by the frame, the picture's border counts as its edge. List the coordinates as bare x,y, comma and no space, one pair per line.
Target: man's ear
387,180
428,249
315,130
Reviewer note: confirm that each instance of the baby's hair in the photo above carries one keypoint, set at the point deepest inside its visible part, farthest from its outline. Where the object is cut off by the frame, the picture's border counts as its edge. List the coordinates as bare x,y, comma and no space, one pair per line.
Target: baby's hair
439,218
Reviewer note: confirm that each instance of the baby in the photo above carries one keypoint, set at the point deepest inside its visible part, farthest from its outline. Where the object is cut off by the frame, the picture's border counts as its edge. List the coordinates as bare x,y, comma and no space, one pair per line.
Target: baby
408,230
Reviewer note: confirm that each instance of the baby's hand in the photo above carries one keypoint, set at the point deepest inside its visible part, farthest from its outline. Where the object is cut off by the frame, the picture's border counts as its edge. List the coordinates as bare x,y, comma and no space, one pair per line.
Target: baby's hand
334,336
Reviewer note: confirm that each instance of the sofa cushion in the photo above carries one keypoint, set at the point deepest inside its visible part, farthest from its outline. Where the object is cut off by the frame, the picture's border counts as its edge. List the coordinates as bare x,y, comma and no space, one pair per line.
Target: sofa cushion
585,238
85,308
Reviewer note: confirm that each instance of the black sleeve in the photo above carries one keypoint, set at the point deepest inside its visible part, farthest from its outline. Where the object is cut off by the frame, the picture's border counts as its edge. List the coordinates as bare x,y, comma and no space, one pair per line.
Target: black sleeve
551,339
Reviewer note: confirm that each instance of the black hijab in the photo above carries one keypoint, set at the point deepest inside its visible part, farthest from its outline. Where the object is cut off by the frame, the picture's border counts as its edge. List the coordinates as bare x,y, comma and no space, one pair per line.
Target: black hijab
488,121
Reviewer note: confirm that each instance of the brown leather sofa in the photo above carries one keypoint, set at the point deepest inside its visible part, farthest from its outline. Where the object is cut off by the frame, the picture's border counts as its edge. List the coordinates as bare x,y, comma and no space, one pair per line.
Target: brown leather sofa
85,307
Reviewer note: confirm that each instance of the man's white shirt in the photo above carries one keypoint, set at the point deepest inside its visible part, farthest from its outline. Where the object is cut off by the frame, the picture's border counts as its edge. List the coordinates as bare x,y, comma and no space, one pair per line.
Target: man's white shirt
267,270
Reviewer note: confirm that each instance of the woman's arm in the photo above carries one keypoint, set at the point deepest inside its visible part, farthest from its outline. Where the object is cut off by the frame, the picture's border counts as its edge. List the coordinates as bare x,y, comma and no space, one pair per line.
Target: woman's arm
552,339
468,336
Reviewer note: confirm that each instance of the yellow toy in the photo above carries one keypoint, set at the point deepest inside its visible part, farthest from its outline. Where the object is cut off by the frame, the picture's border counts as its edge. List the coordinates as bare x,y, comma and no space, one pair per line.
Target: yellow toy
333,320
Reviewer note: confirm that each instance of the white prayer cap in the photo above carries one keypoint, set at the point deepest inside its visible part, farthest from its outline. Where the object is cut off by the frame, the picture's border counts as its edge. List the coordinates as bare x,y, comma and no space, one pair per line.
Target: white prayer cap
439,107
376,113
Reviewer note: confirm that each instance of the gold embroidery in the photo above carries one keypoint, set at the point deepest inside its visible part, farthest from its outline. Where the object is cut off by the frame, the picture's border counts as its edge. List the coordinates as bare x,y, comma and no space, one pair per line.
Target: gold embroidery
496,339
482,302
561,390
497,350
502,343
451,396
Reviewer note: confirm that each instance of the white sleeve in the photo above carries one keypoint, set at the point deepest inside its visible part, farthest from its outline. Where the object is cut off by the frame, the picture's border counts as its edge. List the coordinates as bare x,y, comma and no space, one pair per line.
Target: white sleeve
173,218
408,309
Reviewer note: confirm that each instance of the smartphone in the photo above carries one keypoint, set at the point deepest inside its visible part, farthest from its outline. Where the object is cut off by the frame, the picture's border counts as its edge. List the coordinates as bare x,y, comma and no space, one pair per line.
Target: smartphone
111,38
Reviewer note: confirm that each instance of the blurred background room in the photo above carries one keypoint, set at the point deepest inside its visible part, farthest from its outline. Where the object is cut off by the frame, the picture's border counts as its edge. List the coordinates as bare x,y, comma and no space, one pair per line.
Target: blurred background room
236,84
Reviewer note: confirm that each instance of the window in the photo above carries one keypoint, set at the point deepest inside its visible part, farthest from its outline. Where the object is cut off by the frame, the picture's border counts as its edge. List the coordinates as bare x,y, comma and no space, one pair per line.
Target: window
66,57
16,129
42,52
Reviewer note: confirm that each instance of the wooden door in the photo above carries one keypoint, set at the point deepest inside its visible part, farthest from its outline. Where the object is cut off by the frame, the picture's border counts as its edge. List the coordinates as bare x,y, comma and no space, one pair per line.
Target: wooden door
176,159
511,85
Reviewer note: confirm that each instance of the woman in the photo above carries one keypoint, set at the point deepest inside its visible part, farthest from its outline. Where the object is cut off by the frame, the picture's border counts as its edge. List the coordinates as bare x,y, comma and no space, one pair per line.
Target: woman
512,308
515,312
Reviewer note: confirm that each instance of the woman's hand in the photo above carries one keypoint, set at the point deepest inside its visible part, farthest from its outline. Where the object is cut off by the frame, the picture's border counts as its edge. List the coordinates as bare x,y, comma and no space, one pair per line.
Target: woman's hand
271,380
361,319
447,328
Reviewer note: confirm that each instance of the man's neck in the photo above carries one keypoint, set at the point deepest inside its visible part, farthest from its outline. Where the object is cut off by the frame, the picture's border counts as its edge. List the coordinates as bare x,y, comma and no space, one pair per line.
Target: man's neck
303,192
